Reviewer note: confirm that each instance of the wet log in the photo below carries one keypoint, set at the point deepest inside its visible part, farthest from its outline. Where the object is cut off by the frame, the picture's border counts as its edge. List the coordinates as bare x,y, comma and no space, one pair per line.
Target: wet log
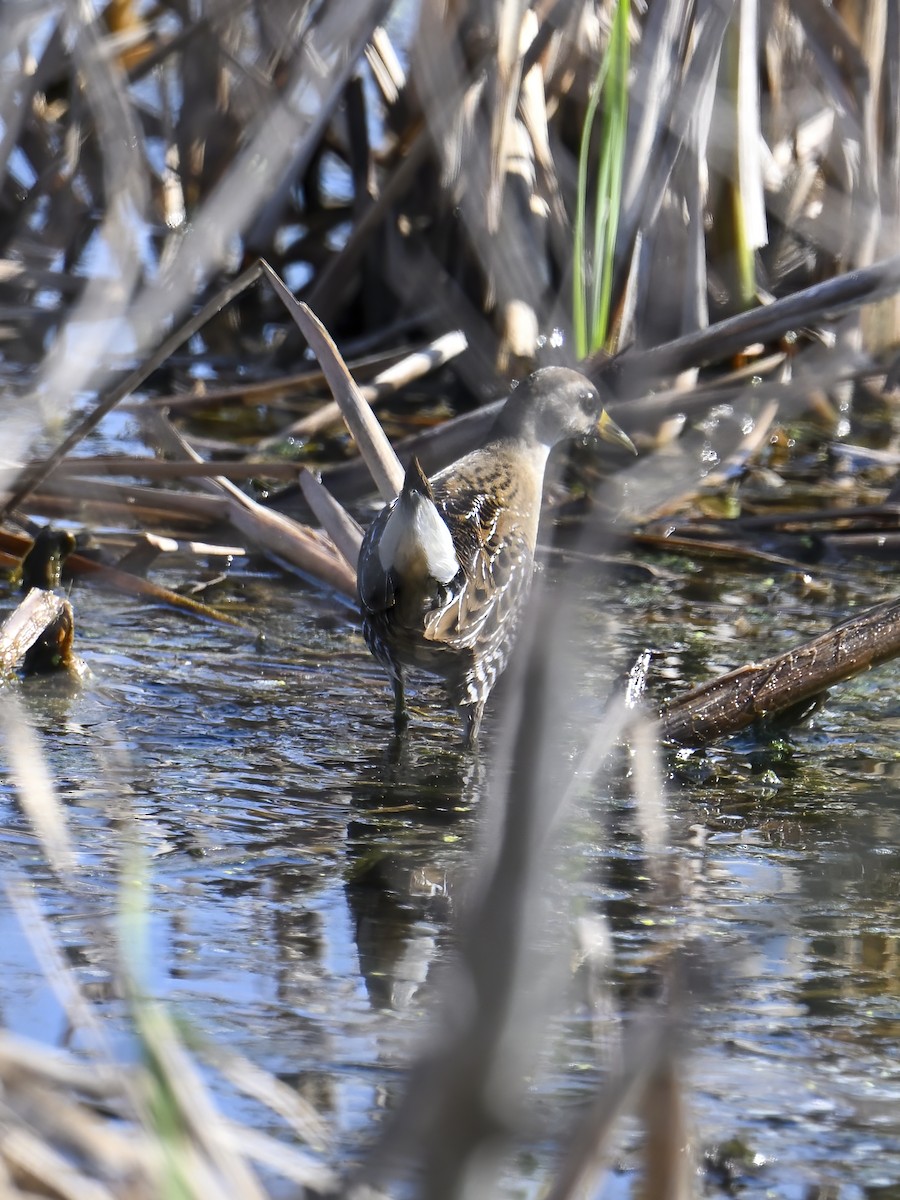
37,636
780,684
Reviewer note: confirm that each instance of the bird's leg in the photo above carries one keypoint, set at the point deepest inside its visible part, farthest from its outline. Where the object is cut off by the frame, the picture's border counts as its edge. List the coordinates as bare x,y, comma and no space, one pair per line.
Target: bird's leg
471,715
401,715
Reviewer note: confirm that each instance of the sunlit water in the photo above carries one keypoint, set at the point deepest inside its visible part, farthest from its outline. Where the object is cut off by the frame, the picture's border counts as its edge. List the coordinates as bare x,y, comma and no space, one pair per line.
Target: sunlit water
303,884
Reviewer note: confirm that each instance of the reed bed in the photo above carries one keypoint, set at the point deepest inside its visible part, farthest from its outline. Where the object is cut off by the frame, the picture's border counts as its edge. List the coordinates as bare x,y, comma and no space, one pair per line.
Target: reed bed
193,196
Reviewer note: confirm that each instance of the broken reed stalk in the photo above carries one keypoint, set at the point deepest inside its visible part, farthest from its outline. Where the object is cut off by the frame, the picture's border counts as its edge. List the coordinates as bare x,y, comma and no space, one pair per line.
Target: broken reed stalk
333,517
374,445
763,690
413,366
304,548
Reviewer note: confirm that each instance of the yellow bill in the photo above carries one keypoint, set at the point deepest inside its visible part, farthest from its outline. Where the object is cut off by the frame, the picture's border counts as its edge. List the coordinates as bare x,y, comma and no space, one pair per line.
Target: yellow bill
610,432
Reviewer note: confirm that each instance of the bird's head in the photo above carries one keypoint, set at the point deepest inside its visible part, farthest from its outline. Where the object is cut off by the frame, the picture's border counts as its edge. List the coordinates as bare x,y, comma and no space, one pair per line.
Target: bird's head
556,404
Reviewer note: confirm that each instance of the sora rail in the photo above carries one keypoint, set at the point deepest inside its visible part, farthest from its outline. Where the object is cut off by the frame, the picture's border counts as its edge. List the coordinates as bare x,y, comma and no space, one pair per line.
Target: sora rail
444,571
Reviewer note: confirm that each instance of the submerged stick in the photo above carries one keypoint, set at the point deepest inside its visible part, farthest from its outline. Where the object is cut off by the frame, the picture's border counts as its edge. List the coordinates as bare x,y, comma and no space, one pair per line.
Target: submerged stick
125,581
734,701
134,585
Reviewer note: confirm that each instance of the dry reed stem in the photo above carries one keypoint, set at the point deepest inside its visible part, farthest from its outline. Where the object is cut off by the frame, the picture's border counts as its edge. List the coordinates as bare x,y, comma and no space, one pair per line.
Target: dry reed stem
669,1163
276,1095
150,506
374,447
302,547
34,786
333,517
220,1161
280,391
34,1163
58,973
150,468
587,1155
411,367
168,545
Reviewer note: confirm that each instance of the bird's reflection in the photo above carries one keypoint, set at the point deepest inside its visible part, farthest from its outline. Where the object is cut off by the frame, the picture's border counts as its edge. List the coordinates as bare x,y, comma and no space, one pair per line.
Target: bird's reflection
407,849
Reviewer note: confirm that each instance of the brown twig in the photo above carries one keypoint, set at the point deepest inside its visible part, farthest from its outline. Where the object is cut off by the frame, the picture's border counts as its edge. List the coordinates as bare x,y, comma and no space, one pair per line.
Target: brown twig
156,469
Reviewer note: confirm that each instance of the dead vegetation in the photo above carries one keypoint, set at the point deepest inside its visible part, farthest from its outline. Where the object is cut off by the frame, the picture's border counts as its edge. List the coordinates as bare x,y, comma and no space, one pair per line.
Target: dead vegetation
410,173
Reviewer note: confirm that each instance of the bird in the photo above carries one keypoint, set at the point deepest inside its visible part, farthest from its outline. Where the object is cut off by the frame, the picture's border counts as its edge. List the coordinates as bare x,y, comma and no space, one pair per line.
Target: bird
444,570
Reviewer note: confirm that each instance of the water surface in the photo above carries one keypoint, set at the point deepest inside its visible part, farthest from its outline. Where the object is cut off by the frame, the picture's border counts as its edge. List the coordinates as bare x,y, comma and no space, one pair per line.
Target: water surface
304,880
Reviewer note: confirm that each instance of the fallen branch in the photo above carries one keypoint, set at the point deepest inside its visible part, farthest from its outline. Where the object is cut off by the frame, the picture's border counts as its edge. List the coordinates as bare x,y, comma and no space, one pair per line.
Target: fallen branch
734,701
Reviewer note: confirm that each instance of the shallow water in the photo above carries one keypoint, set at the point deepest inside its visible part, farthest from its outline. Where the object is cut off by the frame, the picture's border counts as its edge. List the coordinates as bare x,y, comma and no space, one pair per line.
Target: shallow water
304,884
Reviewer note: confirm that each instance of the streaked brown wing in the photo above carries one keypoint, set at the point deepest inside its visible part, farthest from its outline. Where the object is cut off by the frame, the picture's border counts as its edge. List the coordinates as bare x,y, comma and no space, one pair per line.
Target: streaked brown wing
497,565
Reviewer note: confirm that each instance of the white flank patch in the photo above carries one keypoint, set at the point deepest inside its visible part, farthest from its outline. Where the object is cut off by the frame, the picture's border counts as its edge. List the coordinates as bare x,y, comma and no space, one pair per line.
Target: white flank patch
416,539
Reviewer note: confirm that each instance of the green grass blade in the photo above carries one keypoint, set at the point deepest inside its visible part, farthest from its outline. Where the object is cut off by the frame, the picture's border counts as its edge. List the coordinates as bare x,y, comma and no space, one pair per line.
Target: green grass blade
615,130
591,303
